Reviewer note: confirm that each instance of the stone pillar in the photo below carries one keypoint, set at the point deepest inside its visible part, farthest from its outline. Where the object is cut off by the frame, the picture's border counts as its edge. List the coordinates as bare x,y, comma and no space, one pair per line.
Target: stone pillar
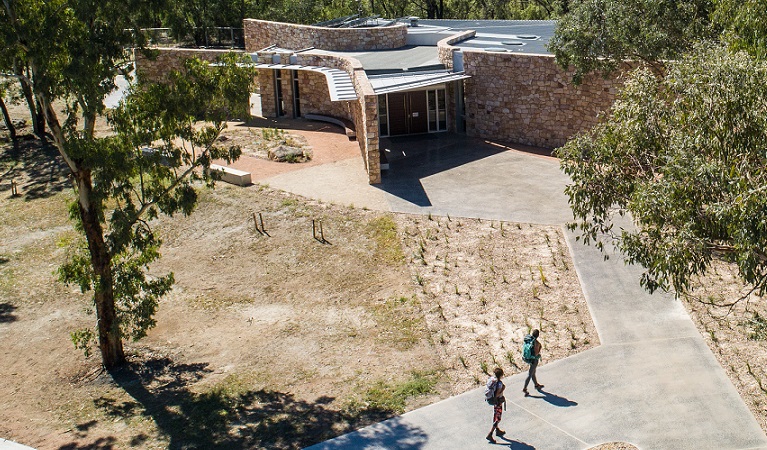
372,156
266,86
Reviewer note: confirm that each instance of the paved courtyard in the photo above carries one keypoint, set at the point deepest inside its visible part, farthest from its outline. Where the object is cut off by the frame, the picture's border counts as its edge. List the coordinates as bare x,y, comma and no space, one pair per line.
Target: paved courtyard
653,382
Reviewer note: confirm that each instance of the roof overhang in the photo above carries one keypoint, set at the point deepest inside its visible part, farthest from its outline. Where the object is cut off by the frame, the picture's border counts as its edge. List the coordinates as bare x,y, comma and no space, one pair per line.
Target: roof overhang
408,81
339,82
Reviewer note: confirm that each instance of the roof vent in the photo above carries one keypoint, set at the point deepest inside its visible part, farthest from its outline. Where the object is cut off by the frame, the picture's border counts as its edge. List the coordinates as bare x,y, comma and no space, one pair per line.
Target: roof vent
414,21
527,37
496,49
512,43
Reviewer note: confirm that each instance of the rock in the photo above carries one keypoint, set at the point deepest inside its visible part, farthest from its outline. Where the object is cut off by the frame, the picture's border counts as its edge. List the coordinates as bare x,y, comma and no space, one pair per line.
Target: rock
287,153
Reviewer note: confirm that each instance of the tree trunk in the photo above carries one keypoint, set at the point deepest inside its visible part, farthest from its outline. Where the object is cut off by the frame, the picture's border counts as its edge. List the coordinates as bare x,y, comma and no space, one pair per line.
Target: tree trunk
40,125
34,112
8,123
110,340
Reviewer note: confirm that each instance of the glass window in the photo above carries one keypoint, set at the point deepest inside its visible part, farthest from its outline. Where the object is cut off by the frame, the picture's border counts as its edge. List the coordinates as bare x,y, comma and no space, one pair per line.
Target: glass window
442,109
432,110
383,115
296,97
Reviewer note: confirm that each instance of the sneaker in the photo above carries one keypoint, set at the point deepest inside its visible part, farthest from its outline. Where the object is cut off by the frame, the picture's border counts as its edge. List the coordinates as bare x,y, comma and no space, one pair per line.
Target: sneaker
490,439
539,386
499,432
526,392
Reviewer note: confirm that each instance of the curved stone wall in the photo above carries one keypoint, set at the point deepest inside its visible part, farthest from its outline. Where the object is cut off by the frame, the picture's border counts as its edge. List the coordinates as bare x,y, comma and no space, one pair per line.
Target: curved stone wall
315,99
260,34
445,46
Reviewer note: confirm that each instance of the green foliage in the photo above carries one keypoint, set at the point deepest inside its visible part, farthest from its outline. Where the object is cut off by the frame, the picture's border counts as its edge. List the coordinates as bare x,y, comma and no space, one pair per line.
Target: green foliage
73,50
393,397
684,156
758,327
745,25
600,35
83,340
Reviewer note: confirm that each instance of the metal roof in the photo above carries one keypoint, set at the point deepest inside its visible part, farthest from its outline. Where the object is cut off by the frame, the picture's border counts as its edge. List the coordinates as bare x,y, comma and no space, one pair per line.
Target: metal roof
339,82
409,57
396,82
518,36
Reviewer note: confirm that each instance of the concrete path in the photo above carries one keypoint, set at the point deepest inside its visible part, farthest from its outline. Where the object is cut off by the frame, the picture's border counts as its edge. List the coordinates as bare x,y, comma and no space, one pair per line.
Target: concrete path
653,382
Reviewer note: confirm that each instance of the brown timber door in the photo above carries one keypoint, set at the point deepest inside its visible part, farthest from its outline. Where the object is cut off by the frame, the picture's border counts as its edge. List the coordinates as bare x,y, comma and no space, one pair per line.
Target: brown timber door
407,113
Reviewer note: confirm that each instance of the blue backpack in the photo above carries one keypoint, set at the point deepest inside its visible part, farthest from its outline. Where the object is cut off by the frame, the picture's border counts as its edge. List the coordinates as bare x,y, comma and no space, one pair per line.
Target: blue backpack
528,350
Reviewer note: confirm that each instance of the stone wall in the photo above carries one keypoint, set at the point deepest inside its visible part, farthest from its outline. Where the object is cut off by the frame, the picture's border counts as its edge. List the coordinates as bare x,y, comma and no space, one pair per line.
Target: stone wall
167,59
528,99
445,47
315,98
260,34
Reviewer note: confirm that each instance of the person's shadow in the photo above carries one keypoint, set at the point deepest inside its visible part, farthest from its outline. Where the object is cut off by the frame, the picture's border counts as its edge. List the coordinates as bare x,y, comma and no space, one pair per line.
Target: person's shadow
554,399
515,445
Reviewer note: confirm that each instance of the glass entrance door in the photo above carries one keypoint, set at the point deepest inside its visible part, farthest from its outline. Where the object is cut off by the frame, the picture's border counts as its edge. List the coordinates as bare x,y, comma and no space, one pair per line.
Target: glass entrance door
437,110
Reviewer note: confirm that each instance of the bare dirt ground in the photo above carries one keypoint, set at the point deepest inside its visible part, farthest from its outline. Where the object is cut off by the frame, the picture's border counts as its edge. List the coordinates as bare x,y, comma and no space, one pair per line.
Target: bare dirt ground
734,324
274,341
281,341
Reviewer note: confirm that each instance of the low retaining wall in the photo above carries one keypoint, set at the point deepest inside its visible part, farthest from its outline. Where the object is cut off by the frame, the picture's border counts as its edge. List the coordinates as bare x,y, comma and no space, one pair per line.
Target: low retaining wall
260,34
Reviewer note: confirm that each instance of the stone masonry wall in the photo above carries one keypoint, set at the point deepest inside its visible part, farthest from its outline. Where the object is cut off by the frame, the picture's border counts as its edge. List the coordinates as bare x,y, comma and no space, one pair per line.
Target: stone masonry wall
528,99
445,47
313,91
156,69
260,34
315,98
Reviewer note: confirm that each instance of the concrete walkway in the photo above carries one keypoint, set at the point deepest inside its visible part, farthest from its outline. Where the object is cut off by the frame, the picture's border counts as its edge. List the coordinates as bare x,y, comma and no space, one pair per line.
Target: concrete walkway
653,382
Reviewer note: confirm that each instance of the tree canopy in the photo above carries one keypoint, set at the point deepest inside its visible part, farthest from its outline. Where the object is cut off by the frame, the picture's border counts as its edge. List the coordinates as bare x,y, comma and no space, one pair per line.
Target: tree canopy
684,155
600,35
681,150
74,49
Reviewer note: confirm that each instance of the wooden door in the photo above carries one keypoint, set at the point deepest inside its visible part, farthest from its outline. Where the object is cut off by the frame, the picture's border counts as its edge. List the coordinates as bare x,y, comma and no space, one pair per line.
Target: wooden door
398,120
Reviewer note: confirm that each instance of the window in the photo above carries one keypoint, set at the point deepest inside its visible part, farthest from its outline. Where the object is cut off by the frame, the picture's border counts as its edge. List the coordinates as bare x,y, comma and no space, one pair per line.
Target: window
296,98
383,115
436,108
278,101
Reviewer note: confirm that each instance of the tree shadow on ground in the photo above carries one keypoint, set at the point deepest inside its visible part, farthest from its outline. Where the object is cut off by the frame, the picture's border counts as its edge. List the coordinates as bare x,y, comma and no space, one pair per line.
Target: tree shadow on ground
38,169
6,313
225,417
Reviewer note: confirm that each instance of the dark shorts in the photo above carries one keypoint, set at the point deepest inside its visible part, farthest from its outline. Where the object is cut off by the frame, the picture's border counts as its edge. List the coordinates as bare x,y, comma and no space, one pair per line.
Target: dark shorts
497,413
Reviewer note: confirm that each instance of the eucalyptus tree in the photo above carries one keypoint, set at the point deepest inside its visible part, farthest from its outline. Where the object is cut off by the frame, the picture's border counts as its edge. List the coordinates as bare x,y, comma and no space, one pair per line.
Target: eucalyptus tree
599,35
74,49
684,155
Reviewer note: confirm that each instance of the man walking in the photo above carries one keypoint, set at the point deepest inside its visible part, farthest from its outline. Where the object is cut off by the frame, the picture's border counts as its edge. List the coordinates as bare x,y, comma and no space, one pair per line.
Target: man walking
531,354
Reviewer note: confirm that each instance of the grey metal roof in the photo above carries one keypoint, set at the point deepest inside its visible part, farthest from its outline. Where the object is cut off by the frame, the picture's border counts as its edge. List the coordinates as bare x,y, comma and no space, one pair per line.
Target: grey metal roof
410,57
339,83
519,36
405,81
